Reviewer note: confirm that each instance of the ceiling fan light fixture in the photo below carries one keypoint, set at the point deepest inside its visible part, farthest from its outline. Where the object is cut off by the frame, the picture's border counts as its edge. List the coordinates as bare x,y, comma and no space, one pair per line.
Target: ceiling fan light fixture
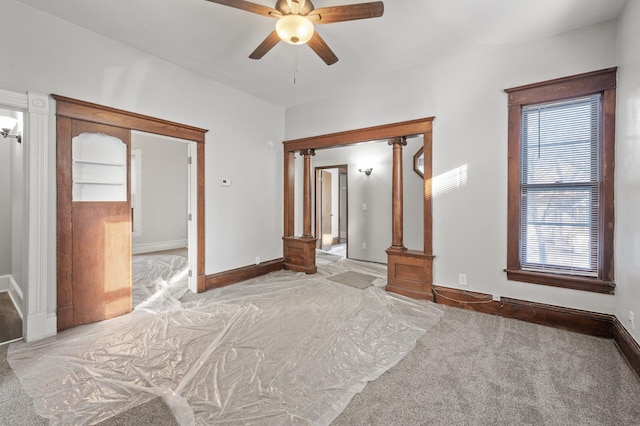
294,29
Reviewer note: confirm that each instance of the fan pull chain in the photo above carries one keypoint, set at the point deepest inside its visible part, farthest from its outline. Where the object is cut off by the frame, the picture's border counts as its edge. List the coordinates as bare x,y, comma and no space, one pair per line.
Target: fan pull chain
295,63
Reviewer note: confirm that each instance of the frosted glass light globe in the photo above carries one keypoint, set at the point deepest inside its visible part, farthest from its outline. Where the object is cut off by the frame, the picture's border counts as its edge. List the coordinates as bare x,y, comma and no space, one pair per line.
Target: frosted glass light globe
294,29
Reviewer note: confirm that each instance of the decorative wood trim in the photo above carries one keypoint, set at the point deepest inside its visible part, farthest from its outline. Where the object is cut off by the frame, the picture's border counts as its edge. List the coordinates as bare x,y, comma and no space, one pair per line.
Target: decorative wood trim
299,254
289,193
427,148
386,131
607,185
293,248
237,275
397,206
410,273
565,87
513,188
64,234
201,282
627,345
602,81
565,281
306,196
576,320
87,111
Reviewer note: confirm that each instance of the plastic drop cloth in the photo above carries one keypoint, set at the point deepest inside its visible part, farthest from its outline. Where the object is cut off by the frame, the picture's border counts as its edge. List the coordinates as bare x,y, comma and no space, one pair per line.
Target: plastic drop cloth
158,280
286,348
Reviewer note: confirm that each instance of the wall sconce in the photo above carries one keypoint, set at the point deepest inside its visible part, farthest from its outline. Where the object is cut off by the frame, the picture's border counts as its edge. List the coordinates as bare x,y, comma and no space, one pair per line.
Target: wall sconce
7,124
366,171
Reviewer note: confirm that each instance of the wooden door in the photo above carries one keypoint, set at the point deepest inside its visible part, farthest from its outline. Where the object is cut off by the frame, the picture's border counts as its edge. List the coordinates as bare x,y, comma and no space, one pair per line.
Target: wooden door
94,247
326,208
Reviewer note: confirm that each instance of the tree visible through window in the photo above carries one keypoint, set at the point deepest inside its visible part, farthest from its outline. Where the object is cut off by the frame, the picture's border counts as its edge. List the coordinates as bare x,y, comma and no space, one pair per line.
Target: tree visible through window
561,182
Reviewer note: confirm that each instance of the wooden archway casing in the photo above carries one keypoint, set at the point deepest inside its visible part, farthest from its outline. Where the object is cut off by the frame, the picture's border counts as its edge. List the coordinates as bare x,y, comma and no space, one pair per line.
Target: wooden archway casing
73,109
409,271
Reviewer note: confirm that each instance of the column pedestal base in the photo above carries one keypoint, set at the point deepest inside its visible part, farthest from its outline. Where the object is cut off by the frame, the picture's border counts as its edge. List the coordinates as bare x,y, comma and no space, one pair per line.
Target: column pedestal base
410,273
299,254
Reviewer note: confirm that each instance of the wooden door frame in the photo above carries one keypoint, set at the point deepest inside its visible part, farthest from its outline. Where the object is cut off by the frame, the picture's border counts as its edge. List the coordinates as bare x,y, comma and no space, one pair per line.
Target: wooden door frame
95,113
340,168
418,283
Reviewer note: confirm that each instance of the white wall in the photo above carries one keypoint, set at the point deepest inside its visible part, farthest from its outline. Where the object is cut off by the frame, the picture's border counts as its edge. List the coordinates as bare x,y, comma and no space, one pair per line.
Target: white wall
12,204
164,191
627,233
372,226
53,56
466,96
5,205
18,220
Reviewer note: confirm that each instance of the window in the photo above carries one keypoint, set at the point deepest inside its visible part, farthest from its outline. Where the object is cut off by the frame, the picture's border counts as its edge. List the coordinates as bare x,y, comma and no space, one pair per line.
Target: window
560,190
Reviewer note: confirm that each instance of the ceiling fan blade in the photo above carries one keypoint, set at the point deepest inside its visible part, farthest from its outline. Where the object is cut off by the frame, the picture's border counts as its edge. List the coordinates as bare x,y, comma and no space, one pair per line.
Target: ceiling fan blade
249,7
318,45
268,43
351,12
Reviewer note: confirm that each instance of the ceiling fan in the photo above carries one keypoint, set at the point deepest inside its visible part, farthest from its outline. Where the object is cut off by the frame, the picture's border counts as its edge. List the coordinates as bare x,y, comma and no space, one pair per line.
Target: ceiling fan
296,19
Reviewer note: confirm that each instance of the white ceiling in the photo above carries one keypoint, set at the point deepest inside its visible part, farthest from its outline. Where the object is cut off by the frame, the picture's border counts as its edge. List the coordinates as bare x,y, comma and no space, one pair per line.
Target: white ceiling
215,40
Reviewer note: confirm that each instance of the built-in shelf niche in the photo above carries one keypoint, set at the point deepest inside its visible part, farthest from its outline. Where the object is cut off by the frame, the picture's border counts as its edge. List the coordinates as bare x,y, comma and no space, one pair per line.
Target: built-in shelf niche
99,168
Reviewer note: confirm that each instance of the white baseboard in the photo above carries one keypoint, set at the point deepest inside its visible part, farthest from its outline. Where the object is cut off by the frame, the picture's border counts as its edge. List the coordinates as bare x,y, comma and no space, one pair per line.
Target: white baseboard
4,283
164,245
41,325
9,284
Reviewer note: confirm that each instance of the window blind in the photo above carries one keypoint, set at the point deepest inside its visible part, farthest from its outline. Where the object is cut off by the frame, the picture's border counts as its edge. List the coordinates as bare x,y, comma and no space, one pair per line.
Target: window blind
560,148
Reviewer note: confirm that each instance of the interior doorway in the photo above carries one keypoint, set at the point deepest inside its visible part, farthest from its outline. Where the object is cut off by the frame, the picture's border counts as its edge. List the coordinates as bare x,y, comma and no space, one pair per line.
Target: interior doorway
331,195
163,253
12,226
73,282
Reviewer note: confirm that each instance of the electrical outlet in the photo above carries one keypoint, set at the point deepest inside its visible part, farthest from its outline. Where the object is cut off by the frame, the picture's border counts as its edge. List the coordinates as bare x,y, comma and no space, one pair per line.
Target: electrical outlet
225,182
364,206
257,260
632,320
462,279
364,245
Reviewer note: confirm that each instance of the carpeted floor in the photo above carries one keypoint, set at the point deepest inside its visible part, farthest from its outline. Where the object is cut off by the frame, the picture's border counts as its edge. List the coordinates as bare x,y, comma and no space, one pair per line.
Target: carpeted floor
470,368
478,369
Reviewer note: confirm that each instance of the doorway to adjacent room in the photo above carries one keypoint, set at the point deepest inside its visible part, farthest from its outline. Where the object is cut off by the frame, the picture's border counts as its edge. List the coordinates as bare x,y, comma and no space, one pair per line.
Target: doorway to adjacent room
331,194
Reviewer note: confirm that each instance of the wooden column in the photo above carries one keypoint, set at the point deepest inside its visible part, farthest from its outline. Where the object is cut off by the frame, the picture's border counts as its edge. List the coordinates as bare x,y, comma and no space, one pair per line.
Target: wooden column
306,209
299,252
289,191
409,271
397,189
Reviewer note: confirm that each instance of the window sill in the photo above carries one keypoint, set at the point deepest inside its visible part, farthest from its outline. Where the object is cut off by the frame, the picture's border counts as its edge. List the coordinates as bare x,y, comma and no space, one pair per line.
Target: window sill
566,281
